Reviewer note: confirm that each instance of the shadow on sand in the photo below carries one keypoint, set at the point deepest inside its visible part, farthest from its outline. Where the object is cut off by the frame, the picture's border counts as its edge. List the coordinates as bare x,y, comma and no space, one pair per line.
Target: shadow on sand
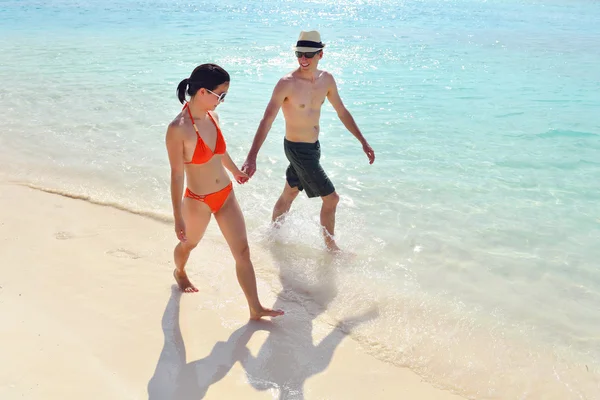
287,358
176,379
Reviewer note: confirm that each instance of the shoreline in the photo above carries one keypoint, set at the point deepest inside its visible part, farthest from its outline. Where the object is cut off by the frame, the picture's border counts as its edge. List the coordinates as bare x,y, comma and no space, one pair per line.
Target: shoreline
92,301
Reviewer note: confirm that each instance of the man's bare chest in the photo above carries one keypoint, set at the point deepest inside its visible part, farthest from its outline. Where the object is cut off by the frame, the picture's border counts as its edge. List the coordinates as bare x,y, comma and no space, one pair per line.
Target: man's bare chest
307,97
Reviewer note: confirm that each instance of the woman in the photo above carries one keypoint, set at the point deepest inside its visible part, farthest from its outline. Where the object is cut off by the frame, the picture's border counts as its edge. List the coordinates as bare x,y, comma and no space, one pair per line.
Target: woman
198,152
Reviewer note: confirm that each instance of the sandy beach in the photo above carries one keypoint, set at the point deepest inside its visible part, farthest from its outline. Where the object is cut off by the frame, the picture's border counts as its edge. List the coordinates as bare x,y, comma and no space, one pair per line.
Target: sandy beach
89,310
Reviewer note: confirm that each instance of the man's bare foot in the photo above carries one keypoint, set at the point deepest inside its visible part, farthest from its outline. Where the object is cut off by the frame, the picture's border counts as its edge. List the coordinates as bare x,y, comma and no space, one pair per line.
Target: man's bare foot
184,283
264,312
332,246
277,223
335,251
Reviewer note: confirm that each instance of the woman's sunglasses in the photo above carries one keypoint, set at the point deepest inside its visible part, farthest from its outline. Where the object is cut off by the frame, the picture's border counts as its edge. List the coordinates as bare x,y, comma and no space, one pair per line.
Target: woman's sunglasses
307,54
220,96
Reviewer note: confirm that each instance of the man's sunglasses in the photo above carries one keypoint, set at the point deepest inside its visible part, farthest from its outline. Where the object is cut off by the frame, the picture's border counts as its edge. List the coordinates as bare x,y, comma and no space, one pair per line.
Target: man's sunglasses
307,54
220,96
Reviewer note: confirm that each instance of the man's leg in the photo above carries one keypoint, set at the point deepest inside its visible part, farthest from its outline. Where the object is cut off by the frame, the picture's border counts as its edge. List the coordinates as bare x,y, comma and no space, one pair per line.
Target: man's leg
284,203
328,209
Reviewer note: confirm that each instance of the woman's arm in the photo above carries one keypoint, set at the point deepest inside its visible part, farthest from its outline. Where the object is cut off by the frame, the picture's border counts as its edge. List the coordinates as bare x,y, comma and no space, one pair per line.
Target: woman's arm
239,176
228,163
174,142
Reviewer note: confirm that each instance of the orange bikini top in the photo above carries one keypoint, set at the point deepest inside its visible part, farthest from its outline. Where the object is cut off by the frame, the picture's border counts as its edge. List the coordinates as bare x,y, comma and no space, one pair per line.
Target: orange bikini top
203,153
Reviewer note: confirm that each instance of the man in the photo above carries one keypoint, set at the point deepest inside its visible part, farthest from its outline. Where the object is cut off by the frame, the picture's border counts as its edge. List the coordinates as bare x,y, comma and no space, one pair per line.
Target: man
301,94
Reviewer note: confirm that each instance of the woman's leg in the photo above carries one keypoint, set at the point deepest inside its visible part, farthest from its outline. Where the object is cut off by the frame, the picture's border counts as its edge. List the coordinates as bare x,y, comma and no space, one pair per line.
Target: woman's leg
232,225
196,216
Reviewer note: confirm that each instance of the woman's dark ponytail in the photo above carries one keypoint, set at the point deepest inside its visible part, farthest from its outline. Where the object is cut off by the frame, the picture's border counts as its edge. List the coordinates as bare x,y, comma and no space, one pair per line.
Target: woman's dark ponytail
182,89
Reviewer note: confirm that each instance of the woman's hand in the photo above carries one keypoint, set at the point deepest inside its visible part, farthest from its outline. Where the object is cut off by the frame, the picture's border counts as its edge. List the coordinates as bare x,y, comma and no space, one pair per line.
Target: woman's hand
180,229
240,177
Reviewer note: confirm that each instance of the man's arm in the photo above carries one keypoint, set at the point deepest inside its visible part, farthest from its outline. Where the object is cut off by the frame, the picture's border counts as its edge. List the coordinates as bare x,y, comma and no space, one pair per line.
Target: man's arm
277,98
344,115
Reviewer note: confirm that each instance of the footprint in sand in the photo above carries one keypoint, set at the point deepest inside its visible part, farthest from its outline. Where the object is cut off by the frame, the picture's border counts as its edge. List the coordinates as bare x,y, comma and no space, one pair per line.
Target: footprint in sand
123,253
62,235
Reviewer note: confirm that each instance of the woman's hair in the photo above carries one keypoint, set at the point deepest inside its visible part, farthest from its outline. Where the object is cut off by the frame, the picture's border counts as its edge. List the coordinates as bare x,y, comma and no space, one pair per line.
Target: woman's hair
207,76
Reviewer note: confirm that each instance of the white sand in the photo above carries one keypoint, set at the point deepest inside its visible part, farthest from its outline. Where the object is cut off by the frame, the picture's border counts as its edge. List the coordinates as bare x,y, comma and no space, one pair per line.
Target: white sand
88,310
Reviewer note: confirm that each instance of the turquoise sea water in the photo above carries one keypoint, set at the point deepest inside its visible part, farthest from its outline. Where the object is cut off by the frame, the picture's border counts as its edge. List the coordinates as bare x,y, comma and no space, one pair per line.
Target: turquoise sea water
476,231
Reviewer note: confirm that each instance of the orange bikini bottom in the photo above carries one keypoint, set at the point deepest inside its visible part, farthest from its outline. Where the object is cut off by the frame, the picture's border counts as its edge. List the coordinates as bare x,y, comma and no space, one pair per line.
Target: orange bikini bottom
214,200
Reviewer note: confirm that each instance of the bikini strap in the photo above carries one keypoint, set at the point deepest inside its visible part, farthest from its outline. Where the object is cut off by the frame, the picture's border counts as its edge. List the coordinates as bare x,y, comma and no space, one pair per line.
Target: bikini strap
213,120
187,105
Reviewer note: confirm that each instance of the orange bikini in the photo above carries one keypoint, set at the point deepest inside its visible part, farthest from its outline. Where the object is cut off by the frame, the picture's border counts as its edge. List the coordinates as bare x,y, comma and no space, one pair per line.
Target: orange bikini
202,154
214,200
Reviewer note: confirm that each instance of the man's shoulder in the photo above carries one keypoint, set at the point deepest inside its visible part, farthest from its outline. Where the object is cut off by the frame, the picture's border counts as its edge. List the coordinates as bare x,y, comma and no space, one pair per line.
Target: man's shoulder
285,83
326,75
287,78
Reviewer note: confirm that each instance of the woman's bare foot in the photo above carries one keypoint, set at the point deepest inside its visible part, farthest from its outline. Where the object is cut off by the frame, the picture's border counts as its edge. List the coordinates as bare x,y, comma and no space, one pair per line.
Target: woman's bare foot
184,283
264,312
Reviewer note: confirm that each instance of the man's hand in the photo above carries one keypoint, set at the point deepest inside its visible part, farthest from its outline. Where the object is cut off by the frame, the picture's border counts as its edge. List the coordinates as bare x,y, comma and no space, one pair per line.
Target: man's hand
249,167
369,152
